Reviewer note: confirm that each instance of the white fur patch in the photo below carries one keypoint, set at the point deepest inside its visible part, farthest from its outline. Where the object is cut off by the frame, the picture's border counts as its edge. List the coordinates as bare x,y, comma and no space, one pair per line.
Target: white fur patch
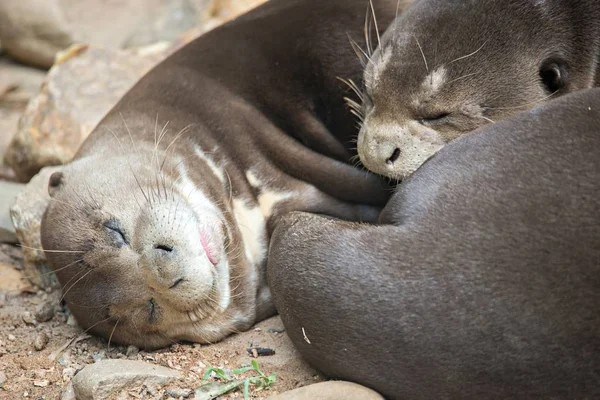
203,207
267,199
213,166
195,198
379,66
253,179
252,225
434,81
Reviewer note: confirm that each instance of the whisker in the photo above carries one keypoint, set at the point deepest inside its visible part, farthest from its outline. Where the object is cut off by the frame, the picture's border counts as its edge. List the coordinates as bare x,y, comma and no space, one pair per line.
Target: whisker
471,54
524,105
422,53
50,251
375,22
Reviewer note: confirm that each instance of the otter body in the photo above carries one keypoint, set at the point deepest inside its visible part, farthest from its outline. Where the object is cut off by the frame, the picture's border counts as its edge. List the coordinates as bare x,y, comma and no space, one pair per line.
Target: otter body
158,230
483,279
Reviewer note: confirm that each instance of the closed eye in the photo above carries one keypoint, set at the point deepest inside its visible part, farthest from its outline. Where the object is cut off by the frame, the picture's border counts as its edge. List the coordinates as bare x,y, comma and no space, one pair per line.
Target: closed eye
435,118
439,118
115,230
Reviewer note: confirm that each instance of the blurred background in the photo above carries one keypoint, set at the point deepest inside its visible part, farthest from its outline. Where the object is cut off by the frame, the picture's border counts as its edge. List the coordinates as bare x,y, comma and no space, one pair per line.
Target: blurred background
64,63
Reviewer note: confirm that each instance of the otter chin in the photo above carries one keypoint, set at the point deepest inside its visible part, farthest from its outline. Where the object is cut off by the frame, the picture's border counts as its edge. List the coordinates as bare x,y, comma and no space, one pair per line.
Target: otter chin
149,256
443,69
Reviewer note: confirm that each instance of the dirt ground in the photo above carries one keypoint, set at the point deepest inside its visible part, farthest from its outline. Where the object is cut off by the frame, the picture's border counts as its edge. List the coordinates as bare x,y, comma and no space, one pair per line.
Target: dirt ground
28,373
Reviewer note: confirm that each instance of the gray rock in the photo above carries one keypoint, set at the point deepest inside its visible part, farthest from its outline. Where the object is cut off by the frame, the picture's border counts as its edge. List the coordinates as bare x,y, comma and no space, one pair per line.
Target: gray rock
28,318
78,91
68,393
166,23
33,31
2,378
132,351
8,194
26,214
40,342
178,393
105,378
45,312
331,390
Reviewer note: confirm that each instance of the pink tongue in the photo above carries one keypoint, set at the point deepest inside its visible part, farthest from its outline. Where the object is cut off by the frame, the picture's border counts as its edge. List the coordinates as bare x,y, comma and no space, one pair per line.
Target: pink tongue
207,250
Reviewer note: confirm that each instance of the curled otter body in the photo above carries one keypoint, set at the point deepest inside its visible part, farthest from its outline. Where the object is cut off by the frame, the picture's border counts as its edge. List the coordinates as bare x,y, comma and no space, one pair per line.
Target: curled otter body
158,230
483,281
445,68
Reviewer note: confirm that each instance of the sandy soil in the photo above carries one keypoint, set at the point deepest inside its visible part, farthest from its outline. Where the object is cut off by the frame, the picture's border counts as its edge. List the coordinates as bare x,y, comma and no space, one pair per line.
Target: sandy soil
28,373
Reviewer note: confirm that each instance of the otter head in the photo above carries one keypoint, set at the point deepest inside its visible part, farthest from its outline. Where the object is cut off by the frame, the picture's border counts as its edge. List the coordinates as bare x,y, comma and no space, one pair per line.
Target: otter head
445,68
140,249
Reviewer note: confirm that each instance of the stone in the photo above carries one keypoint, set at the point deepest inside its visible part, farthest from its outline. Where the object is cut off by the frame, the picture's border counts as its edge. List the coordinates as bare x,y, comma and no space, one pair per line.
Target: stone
12,337
44,312
221,11
11,281
33,31
83,85
26,215
68,393
3,378
331,390
40,341
179,393
8,194
28,318
106,378
167,23
132,351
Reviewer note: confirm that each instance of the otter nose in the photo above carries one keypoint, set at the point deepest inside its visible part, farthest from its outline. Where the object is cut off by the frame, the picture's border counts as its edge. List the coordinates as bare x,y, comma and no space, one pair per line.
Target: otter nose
394,157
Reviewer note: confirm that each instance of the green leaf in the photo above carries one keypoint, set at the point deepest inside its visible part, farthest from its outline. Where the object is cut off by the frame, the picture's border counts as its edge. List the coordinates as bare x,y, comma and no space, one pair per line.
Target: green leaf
215,389
246,389
242,370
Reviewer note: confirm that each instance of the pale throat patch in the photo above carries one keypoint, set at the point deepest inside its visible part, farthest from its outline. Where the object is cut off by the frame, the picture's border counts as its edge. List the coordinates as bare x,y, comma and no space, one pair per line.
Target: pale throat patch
201,205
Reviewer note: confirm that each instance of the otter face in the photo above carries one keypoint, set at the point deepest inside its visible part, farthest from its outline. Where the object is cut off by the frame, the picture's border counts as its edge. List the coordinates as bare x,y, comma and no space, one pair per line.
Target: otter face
142,257
444,69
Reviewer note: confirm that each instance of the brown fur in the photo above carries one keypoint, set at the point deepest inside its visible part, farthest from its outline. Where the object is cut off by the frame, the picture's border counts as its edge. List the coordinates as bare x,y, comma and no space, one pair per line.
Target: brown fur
492,58
259,94
483,281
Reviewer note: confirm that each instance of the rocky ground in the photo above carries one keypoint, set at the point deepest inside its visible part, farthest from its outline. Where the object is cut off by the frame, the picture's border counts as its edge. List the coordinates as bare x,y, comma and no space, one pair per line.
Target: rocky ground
43,352
42,349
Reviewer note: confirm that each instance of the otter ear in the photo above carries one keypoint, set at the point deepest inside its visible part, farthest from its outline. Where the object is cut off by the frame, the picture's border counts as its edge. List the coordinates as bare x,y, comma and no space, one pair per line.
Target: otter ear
554,75
55,183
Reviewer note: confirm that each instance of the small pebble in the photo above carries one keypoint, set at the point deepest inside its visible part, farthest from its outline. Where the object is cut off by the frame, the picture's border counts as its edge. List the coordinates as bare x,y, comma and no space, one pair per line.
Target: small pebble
99,356
42,383
28,318
3,378
68,374
40,342
177,393
71,320
12,338
45,312
132,351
